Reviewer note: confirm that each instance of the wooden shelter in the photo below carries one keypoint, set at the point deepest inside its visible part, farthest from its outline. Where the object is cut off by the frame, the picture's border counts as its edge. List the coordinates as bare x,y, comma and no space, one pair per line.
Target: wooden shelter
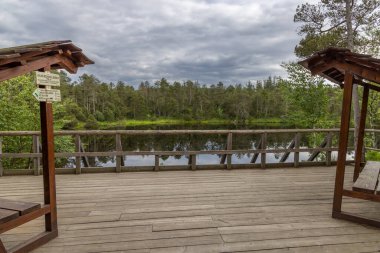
17,61
346,68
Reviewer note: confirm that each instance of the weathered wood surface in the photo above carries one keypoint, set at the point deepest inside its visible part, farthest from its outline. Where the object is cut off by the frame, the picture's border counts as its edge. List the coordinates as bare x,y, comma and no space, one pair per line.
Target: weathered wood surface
21,207
272,210
7,215
368,178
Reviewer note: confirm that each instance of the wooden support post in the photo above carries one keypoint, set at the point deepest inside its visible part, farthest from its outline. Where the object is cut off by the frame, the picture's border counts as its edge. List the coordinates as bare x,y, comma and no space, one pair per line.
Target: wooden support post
1,151
343,143
156,163
317,152
47,139
256,155
78,165
193,161
118,148
36,160
329,145
229,147
2,248
285,156
297,140
85,160
360,142
263,147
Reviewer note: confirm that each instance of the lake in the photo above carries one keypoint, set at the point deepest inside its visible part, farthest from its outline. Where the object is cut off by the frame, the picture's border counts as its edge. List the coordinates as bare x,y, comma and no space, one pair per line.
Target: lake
188,142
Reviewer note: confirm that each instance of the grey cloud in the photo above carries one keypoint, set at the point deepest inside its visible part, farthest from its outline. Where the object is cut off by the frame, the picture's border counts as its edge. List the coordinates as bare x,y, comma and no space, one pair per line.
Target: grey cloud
132,41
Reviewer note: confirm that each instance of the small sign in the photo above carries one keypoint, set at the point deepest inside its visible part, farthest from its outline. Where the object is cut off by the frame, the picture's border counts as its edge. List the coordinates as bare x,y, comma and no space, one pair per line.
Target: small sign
47,79
47,95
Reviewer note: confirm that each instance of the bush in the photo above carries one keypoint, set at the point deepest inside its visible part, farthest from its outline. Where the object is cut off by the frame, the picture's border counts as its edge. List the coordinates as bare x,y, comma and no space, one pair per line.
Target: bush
372,155
99,116
91,123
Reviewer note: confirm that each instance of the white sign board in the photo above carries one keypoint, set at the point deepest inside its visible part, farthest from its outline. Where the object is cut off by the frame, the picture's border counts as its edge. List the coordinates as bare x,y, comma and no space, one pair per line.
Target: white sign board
47,95
47,79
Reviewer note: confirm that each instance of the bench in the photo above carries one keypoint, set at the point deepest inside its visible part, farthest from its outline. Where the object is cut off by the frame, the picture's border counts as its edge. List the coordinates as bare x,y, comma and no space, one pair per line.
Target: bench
368,180
16,213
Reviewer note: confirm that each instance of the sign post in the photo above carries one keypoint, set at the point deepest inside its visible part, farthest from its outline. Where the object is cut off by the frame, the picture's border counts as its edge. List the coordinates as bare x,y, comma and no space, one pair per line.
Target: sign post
47,80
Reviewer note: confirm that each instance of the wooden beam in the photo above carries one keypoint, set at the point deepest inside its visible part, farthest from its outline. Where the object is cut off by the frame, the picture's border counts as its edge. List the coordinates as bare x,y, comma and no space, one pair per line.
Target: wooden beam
24,57
34,242
365,73
361,195
67,64
321,67
286,154
329,145
77,158
356,218
48,162
343,141
360,141
24,219
118,148
263,147
36,150
156,163
2,248
316,153
297,140
31,66
256,155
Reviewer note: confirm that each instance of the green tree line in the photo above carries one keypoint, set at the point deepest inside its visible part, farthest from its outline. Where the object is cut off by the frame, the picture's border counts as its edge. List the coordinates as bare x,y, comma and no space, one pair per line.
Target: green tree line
304,102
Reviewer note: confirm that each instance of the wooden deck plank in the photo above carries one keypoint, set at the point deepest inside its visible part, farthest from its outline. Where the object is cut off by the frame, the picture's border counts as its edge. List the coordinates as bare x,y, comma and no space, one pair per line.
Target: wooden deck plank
197,211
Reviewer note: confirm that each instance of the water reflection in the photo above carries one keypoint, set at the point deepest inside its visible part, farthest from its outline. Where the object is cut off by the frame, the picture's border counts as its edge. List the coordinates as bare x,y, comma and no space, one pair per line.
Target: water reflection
193,142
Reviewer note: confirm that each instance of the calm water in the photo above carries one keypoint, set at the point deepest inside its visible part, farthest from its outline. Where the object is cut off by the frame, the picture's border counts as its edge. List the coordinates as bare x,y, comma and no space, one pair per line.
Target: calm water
195,142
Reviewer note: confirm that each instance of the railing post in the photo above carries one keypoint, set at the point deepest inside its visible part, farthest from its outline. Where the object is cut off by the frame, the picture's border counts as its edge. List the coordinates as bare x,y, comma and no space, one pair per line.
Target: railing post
193,161
78,167
36,160
1,162
118,148
329,145
297,140
263,147
229,147
156,163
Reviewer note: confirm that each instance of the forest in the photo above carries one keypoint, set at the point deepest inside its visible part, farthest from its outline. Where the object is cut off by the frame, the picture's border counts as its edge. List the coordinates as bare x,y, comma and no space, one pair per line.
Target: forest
300,100
90,103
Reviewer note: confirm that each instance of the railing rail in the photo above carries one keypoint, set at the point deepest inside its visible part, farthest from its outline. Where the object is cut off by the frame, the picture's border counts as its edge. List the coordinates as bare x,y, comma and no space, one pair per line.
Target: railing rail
261,150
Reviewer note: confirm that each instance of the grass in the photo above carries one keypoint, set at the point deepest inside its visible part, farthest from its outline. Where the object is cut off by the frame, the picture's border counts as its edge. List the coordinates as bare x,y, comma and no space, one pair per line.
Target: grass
165,121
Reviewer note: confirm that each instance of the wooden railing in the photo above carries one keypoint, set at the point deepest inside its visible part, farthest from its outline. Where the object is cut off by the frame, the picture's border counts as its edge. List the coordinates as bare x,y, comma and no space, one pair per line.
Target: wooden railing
261,149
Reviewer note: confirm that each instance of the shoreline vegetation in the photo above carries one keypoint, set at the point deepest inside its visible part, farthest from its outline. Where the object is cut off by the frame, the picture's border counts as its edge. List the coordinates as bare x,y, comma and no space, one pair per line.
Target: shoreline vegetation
170,122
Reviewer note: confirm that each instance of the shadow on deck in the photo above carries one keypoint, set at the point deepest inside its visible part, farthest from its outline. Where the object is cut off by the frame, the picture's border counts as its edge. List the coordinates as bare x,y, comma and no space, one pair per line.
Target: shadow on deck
272,210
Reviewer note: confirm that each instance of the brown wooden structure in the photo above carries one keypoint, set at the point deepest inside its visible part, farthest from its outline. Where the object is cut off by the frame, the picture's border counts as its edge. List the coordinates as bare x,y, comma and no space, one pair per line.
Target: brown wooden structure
346,68
17,61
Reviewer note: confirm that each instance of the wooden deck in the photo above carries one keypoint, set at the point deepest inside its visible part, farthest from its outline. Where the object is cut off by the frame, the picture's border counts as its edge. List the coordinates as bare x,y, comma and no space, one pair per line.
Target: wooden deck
272,210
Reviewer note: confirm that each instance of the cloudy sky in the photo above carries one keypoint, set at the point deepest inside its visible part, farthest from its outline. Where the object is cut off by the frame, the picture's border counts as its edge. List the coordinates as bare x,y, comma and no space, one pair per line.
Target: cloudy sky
232,41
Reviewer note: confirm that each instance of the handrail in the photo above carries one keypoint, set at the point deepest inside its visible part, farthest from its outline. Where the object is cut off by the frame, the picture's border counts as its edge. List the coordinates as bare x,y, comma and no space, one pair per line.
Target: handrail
225,162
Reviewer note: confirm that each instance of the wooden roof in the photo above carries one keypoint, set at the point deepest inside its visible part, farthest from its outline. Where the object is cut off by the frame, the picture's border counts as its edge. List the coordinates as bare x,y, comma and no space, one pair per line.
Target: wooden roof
61,54
332,63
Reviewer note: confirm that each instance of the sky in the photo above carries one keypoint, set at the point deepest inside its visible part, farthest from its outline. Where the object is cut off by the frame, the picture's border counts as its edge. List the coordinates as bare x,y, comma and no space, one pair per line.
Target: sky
232,41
